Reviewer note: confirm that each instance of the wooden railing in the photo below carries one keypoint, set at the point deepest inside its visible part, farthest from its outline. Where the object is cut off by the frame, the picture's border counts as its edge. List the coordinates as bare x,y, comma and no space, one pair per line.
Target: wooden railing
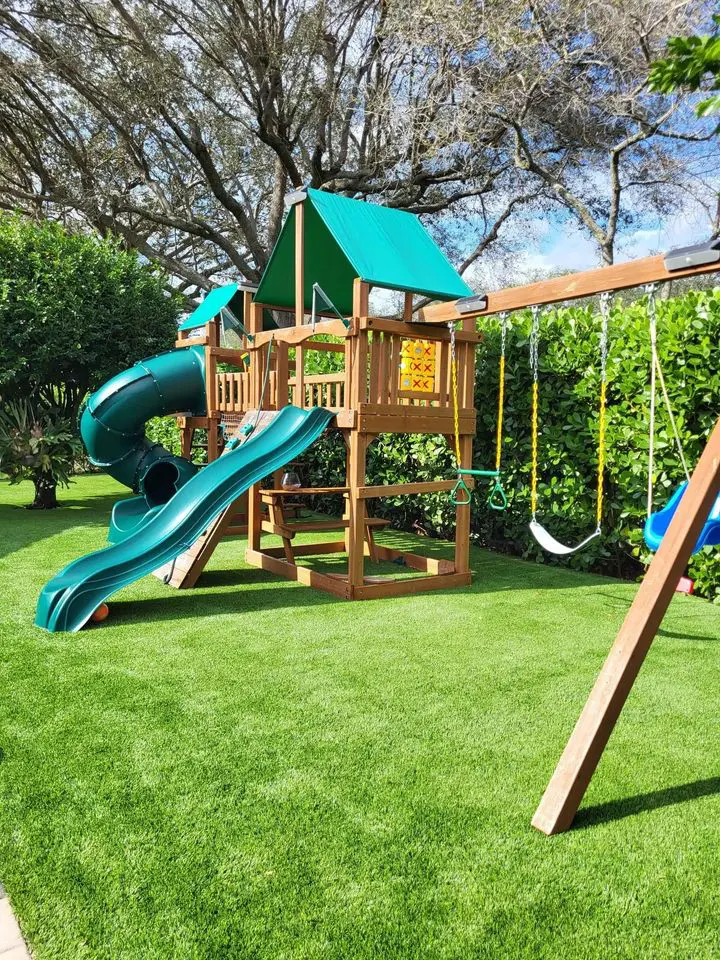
320,390
233,392
381,355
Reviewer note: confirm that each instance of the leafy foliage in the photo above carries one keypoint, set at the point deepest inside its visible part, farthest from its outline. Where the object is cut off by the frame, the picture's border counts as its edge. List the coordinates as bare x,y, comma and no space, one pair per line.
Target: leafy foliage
689,331
690,62
37,446
74,311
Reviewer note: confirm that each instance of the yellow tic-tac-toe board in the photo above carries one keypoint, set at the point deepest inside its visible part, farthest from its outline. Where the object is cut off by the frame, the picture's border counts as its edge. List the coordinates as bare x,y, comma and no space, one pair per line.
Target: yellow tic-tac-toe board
417,366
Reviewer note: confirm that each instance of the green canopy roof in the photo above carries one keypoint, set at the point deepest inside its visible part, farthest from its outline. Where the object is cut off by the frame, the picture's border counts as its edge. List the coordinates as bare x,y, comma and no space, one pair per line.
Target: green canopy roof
345,239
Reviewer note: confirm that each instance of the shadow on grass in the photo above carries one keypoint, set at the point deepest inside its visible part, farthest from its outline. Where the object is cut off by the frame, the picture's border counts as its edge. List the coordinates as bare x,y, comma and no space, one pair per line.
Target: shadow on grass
256,591
645,802
25,527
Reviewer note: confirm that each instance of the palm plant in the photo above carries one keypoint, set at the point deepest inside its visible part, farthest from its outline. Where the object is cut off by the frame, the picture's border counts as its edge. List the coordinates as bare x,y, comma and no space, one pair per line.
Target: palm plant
39,446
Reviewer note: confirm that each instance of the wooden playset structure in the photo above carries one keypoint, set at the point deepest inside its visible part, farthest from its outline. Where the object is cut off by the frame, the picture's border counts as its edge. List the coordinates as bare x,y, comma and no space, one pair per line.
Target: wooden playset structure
395,376
324,248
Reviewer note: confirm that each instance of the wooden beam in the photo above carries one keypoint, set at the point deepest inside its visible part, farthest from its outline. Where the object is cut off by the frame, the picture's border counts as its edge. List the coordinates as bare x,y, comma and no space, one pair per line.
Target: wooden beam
310,578
399,588
415,561
408,307
406,489
402,329
619,276
299,301
295,335
597,720
357,452
211,405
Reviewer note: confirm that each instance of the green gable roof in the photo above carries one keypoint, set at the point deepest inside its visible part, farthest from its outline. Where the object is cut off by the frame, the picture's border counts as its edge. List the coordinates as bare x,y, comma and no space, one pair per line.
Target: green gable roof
345,239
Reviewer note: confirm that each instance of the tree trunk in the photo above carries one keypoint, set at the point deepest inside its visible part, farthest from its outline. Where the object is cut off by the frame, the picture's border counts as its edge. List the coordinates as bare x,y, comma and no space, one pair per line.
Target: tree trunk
45,492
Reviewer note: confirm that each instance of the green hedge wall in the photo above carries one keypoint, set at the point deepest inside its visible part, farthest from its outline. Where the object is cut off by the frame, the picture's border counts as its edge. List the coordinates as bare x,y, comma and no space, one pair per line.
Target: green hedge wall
689,335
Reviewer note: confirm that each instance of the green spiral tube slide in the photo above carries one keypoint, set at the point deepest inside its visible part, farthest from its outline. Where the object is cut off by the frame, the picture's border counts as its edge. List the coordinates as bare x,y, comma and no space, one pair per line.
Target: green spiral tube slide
68,601
113,422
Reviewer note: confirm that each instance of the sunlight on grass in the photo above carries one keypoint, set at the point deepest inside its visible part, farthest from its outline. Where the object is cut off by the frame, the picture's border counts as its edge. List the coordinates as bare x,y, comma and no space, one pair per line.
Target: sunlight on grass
254,769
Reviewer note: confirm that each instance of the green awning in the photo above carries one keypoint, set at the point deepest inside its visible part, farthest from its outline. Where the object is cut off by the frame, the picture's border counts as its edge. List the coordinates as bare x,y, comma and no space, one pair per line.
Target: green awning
212,304
345,239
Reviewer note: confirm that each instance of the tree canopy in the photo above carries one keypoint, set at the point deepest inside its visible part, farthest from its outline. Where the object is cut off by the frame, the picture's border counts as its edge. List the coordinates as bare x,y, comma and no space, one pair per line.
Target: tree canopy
179,125
74,310
692,62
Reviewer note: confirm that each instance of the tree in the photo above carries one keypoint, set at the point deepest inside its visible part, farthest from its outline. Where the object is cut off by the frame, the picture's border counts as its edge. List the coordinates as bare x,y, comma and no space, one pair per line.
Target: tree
694,63
74,310
179,125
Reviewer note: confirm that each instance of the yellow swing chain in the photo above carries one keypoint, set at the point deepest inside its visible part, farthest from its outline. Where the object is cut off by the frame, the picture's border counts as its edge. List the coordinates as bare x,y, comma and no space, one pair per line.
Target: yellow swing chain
605,320
534,336
501,394
456,412
602,422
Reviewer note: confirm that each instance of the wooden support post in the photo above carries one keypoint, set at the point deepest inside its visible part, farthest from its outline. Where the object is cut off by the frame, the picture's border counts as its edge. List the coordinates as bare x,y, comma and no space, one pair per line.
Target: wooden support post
299,301
257,368
357,450
213,340
408,307
462,515
597,720
359,376
282,372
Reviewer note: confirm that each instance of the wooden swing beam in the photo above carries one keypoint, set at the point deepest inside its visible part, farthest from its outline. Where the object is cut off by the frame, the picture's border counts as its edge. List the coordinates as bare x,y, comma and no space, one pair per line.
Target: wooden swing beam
619,276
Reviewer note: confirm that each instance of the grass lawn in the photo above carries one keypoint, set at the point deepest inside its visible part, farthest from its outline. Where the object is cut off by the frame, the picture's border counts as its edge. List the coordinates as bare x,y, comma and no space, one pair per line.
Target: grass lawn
253,769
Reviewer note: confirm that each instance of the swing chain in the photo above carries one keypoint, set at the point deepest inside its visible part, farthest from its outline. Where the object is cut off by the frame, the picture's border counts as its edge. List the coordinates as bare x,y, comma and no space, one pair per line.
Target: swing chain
535,367
605,301
503,331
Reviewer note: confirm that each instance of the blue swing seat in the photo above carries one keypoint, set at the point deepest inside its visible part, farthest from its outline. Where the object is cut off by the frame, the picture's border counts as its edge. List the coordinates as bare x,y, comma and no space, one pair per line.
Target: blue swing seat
657,523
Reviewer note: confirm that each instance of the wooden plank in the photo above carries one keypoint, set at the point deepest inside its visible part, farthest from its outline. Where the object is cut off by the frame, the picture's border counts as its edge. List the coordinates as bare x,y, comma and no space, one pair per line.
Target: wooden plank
415,424
289,529
356,508
423,413
408,307
597,720
310,578
308,549
415,561
393,368
462,515
413,330
302,491
227,355
619,276
192,342
322,346
410,585
405,489
294,335
418,395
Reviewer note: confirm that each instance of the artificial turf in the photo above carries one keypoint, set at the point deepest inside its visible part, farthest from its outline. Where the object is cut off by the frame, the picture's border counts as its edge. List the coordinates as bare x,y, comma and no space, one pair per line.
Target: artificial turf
253,769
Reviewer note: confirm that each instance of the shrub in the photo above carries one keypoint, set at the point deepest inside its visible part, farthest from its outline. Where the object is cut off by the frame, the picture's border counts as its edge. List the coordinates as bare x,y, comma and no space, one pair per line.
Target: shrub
36,445
74,311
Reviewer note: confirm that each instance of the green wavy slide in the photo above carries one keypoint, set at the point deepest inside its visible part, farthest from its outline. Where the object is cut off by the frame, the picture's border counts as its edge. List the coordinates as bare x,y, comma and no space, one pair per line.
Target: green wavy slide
70,598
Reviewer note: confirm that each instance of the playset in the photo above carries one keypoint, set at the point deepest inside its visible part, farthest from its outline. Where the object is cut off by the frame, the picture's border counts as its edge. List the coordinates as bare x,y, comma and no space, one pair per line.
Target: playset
410,375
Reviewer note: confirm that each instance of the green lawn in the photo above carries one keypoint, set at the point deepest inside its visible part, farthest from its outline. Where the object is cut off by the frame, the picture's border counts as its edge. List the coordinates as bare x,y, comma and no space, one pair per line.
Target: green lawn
255,770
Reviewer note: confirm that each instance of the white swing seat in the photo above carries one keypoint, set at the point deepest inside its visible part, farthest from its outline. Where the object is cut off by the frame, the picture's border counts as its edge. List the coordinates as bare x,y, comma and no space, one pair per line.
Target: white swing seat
549,543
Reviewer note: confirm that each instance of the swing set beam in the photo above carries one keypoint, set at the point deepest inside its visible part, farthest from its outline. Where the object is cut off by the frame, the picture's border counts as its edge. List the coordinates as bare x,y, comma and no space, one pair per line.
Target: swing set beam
619,276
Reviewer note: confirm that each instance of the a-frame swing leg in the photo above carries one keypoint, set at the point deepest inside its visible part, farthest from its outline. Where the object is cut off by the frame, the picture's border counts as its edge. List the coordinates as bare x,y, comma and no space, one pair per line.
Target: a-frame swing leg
582,754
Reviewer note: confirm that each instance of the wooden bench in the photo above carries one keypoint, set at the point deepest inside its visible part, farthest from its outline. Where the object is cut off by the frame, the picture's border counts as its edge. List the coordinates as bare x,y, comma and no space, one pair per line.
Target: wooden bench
279,524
